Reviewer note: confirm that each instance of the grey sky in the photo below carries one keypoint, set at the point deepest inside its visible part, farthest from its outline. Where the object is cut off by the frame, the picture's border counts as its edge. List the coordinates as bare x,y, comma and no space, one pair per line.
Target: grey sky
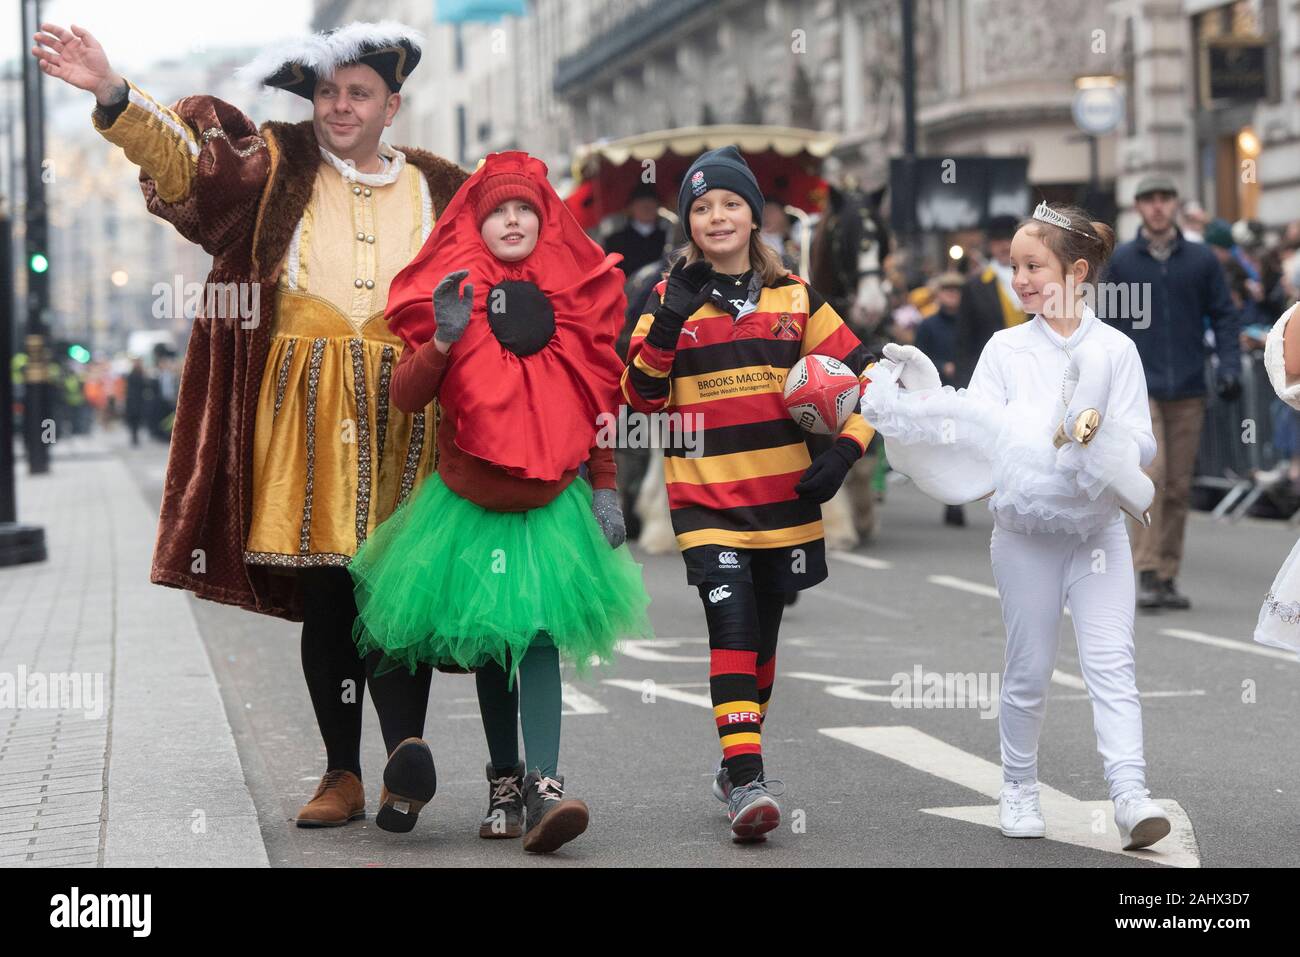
137,33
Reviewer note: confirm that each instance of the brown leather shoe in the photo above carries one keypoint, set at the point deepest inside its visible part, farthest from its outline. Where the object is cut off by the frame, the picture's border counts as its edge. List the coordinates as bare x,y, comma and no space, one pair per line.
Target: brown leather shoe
338,799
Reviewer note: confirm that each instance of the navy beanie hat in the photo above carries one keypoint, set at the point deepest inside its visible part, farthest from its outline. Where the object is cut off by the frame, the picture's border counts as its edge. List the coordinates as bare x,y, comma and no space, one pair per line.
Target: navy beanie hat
722,168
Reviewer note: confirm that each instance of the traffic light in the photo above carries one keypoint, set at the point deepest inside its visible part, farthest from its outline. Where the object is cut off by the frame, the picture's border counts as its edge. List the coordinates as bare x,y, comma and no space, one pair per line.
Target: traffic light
38,263
79,353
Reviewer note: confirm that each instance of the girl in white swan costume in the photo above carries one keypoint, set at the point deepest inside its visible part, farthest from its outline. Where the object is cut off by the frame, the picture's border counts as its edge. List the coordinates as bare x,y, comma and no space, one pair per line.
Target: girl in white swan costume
1053,430
1279,618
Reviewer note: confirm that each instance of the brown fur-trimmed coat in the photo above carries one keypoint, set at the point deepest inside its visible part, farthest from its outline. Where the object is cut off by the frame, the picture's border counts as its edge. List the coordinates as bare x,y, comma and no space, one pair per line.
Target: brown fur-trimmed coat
251,189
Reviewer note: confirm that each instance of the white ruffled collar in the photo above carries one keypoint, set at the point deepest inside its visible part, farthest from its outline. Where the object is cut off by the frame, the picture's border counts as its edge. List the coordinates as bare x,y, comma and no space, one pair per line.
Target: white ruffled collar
1086,323
393,160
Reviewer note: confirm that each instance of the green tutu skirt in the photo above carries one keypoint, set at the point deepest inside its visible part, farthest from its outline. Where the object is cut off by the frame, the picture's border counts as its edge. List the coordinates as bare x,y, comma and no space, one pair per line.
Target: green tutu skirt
445,582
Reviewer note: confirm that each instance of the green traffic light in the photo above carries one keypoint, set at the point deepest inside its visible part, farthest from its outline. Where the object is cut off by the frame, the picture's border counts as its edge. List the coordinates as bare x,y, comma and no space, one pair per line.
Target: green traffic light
79,354
39,263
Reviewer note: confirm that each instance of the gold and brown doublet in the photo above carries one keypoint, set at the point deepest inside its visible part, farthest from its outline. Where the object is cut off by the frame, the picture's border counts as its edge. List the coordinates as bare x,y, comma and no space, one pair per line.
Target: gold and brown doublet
331,457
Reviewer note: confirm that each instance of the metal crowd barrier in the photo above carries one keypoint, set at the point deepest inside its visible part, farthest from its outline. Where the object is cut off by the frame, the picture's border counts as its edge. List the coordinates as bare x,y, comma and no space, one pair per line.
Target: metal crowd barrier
1237,440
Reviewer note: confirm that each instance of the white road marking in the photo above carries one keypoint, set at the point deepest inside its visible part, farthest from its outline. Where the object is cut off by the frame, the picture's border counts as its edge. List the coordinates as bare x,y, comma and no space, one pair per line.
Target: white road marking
863,561
881,610
1068,820
672,692
975,588
575,703
1214,641
578,702
649,650
961,584
850,688
1069,680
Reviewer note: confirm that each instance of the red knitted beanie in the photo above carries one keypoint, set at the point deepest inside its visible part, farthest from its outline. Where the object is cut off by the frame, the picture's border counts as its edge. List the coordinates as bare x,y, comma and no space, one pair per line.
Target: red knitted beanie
495,190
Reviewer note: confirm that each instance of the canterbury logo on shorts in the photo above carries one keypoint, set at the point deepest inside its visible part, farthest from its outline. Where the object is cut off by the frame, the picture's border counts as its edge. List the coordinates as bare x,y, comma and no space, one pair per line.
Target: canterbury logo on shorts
728,560
719,593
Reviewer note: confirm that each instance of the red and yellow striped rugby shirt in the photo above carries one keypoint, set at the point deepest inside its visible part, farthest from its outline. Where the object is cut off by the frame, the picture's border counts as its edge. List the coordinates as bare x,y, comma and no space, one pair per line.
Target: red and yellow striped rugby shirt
737,488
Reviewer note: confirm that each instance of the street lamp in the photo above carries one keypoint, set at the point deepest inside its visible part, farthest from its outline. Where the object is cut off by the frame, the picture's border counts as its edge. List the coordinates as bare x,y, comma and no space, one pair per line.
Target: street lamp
1098,108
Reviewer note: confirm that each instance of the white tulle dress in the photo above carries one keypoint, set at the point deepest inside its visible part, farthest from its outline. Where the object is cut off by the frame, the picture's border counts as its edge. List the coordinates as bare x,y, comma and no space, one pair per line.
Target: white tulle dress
994,439
1279,617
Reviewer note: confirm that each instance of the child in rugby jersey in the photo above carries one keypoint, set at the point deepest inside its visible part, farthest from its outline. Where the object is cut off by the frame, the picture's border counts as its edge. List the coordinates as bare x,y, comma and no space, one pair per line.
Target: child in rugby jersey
714,345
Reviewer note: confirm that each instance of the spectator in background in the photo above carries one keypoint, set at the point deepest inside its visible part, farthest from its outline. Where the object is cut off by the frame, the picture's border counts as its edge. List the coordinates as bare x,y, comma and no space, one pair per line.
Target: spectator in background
937,334
643,239
988,303
776,232
1192,219
135,396
937,338
904,322
1245,288
1182,284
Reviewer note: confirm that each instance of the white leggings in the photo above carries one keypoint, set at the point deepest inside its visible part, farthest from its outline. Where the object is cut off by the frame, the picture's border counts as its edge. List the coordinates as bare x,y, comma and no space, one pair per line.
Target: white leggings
1037,576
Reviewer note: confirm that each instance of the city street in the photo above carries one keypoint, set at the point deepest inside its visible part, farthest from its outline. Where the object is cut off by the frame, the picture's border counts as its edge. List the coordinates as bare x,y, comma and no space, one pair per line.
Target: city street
868,783
306,297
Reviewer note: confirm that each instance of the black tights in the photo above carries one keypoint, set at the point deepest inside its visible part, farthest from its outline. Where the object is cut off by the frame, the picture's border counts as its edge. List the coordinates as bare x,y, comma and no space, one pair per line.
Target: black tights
336,675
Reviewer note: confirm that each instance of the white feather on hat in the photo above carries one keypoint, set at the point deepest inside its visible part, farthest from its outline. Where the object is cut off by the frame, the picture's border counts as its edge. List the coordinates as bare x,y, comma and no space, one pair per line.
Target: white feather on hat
323,53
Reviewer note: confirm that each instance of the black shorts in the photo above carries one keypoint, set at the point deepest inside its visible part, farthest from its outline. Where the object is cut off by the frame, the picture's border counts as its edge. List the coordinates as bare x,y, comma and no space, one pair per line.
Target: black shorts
786,569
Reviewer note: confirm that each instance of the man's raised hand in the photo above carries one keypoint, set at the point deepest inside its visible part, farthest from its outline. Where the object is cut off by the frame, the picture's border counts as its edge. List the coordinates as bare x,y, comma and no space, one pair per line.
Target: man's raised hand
76,58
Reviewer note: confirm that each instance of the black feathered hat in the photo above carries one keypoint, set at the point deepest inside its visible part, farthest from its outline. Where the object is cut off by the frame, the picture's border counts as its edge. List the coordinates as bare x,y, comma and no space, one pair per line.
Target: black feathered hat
392,49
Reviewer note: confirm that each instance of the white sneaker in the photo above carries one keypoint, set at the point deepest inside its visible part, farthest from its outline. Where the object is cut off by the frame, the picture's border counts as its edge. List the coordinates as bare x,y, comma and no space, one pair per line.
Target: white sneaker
1141,821
1019,814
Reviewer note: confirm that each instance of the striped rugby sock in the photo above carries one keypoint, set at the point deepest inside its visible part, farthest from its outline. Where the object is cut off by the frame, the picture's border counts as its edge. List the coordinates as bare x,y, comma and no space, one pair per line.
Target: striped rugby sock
733,685
765,676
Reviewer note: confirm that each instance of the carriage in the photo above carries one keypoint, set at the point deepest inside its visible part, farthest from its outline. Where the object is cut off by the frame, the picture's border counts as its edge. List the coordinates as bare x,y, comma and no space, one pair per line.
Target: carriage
787,163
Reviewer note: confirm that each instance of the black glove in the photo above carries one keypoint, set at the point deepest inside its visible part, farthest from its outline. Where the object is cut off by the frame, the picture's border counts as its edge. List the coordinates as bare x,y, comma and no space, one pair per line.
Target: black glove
451,310
826,474
686,291
1229,388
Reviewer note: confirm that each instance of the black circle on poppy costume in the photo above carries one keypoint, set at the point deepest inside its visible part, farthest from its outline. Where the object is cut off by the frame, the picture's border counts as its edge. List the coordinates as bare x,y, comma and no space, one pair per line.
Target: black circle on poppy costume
520,316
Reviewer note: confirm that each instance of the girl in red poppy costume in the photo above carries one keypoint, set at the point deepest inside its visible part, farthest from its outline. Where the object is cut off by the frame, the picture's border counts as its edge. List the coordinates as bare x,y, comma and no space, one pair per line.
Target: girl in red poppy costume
501,562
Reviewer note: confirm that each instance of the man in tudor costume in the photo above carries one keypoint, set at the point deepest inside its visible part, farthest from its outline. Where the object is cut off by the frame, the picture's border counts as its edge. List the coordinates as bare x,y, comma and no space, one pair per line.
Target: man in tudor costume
285,453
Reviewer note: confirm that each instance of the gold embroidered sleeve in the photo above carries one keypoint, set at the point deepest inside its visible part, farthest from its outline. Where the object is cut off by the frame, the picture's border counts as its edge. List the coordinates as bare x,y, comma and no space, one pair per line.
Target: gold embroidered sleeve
157,140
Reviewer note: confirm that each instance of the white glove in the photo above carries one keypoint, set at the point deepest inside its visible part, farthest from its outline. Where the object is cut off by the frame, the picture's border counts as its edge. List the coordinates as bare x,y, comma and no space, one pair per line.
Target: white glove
917,370
1087,382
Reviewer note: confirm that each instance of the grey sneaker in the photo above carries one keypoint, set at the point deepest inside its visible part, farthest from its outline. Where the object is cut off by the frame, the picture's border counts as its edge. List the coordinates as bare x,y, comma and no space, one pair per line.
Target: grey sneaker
721,784
752,809
505,816
553,820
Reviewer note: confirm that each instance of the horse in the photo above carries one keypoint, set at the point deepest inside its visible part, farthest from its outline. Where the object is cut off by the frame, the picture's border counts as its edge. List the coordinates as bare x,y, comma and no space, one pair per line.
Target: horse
847,264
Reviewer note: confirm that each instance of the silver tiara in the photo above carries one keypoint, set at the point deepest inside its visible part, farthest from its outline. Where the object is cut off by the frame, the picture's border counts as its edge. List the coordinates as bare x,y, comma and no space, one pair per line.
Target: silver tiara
1045,214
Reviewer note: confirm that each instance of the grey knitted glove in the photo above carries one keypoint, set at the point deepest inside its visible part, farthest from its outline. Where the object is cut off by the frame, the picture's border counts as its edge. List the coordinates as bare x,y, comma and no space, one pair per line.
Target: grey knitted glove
450,309
609,516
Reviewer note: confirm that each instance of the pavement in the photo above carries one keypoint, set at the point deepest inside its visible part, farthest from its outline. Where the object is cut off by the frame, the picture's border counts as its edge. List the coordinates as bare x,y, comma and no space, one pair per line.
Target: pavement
208,745
114,745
